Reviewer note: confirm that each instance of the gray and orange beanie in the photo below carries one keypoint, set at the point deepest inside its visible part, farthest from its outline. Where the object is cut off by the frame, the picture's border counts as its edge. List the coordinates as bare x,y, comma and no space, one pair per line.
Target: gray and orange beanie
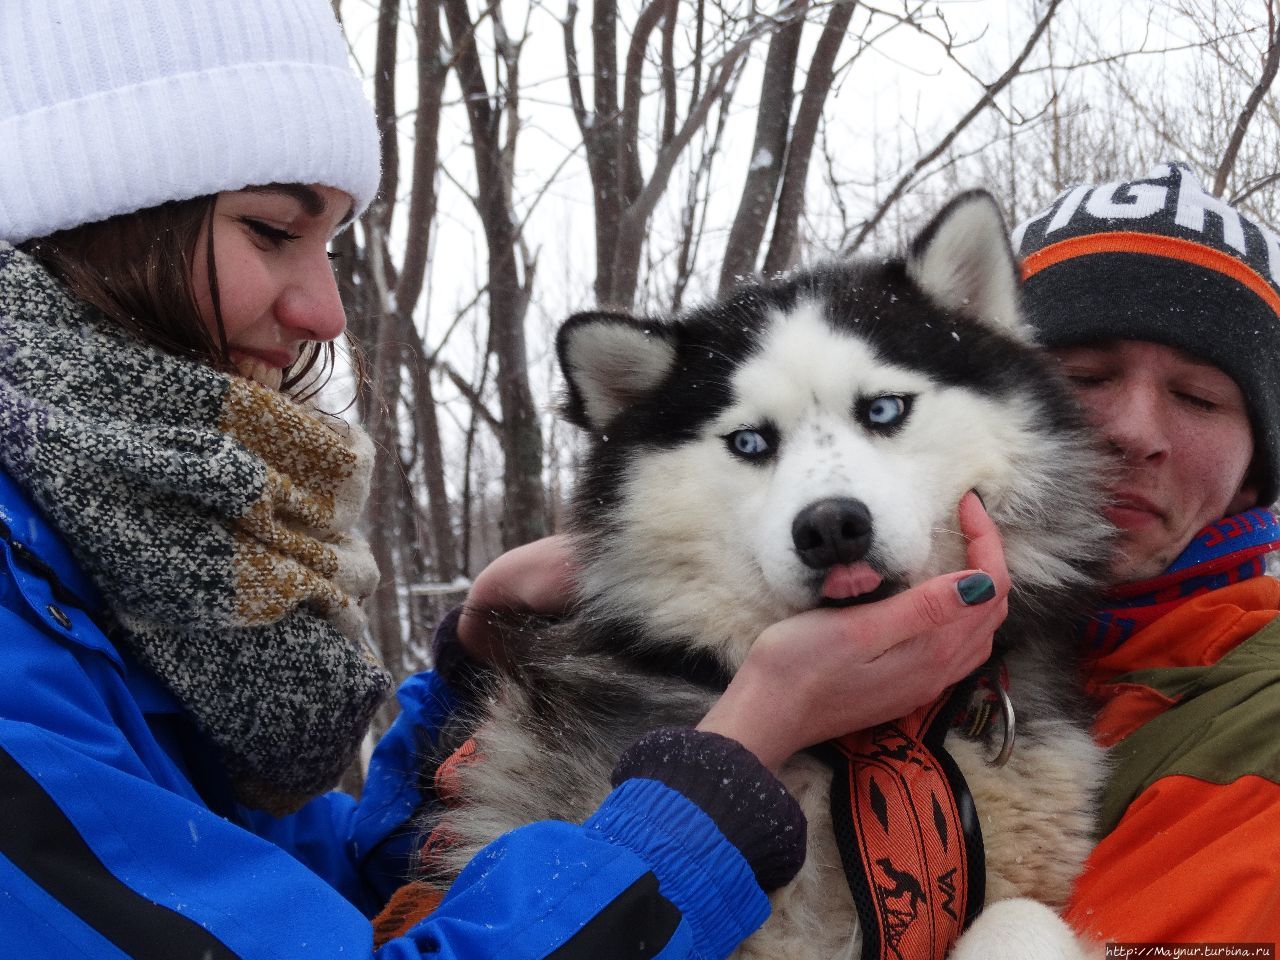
1160,259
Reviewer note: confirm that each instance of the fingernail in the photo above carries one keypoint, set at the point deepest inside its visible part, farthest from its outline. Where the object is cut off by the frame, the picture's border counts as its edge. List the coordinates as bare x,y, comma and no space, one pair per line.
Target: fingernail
976,588
975,492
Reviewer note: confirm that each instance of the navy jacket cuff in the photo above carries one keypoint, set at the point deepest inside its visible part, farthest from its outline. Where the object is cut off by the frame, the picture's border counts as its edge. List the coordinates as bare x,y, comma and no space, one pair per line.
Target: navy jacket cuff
726,780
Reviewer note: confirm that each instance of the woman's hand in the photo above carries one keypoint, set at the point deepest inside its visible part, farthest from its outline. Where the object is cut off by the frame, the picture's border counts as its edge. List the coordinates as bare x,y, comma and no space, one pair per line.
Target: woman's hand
535,578
830,671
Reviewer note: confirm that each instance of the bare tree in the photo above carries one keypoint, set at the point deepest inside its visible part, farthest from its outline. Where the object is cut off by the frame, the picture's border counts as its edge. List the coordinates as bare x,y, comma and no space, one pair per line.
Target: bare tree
624,197
985,101
689,190
768,153
1267,75
821,75
1199,100
511,269
382,292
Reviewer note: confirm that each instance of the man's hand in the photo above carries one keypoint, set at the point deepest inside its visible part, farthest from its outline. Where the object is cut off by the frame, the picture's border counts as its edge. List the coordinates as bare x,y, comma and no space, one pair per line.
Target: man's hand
830,671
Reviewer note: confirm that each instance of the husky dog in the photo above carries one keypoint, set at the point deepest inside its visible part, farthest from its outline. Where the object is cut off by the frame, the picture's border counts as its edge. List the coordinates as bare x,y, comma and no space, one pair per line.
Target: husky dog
888,388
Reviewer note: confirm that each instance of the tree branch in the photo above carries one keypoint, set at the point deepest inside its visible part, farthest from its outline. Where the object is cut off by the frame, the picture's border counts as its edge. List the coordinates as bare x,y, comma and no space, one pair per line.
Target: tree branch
422,196
1270,64
629,142
987,98
384,99
631,225
668,76
472,396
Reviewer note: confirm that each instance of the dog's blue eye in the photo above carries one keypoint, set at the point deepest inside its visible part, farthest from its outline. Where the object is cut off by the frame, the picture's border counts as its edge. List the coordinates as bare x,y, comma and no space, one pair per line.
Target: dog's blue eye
885,412
750,444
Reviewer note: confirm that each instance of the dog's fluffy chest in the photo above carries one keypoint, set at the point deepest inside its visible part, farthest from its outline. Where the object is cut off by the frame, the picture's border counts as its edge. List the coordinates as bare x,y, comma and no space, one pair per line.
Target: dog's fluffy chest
813,916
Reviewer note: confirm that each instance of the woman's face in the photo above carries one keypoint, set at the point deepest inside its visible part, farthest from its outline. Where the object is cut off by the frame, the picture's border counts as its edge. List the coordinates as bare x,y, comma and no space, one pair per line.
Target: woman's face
276,289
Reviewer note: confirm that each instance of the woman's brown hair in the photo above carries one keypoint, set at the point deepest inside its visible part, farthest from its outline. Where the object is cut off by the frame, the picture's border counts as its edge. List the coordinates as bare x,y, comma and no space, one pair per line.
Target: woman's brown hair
136,269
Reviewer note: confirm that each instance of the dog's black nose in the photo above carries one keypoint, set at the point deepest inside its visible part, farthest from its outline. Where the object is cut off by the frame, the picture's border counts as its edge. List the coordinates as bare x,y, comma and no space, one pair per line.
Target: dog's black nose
832,531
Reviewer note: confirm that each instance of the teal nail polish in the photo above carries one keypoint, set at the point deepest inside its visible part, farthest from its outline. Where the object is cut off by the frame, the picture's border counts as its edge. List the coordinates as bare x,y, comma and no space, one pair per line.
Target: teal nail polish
976,588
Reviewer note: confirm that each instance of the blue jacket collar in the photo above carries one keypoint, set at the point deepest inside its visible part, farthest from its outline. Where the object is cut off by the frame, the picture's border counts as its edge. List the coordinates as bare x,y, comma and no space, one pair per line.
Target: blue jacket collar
28,527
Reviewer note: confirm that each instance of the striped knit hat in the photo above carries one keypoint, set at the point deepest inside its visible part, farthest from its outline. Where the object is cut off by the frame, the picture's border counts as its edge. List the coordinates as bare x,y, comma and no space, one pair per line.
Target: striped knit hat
1160,259
112,106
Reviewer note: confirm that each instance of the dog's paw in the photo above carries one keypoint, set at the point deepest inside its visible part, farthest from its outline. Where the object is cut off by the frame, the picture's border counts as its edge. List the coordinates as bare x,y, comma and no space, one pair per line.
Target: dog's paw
1020,929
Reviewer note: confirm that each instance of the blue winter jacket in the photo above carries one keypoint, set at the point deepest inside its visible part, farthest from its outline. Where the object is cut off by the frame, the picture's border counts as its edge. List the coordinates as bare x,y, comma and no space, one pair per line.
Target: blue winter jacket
119,837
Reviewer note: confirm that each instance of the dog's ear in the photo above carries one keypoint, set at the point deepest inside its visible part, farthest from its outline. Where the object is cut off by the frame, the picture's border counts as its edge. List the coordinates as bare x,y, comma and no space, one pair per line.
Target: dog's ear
611,360
963,261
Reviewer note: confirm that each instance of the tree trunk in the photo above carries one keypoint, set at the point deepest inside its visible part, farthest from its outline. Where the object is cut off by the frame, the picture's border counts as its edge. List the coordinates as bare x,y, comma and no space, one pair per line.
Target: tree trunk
817,87
524,507
768,152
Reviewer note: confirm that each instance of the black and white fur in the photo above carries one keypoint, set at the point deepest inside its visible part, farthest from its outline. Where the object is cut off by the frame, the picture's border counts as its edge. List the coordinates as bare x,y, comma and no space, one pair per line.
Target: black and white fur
686,545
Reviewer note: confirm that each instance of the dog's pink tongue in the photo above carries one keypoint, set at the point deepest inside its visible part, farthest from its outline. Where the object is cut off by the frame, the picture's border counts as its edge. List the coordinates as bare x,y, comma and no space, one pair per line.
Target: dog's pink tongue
849,580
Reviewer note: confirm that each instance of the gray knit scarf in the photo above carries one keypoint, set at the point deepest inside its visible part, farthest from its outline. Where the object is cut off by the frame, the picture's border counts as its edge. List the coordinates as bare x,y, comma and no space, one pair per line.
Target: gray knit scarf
214,515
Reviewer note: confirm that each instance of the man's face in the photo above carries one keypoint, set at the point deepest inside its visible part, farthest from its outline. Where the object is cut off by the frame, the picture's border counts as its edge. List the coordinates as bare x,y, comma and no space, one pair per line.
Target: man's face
1182,432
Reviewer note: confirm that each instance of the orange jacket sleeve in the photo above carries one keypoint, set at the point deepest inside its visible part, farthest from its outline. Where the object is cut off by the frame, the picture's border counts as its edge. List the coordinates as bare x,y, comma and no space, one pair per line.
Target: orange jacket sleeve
1195,855
1189,861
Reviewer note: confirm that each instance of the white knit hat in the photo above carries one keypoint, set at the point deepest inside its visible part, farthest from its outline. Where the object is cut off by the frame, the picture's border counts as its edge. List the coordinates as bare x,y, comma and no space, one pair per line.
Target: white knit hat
111,106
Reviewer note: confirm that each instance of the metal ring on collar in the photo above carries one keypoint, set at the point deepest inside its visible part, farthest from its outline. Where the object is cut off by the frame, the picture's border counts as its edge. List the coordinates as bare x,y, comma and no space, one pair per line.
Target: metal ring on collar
1010,728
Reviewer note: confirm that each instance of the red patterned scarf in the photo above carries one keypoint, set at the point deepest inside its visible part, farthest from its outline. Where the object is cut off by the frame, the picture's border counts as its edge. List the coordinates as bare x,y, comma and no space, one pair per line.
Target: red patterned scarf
1223,553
